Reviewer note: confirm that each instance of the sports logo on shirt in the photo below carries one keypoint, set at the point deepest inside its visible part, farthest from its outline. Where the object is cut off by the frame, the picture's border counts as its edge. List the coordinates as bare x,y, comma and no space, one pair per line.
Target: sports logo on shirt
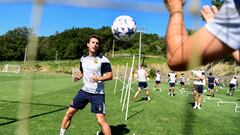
95,61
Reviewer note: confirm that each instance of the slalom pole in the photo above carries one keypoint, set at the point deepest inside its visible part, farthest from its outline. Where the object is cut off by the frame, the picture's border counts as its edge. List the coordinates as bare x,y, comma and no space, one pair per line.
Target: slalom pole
116,80
129,87
124,82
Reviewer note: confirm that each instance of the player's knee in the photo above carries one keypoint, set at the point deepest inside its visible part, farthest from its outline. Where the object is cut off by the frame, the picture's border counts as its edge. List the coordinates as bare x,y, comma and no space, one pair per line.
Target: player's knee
69,114
101,121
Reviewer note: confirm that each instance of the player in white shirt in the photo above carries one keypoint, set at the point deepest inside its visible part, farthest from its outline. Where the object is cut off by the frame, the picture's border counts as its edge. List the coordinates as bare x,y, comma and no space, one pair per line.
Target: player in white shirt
157,81
94,70
197,77
142,83
232,84
171,82
182,82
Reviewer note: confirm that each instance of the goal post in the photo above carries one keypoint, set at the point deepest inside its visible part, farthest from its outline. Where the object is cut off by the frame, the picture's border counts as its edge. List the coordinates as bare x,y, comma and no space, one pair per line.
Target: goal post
11,68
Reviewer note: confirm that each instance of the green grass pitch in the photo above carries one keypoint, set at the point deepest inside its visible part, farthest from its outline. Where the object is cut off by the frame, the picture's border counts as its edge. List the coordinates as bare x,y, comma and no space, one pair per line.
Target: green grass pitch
164,115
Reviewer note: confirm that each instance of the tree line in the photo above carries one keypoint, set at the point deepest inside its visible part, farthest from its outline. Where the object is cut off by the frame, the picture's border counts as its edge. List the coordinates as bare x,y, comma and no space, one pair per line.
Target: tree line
71,44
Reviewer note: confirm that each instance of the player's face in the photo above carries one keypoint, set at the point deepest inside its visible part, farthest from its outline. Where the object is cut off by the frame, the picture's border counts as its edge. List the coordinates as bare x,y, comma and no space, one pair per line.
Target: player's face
93,45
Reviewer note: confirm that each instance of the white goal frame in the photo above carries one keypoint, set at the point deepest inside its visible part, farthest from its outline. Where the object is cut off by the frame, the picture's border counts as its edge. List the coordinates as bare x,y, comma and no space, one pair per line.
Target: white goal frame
10,68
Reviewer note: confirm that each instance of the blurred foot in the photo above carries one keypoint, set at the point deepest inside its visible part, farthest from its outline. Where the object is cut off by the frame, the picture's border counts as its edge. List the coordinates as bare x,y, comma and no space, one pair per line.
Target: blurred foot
149,99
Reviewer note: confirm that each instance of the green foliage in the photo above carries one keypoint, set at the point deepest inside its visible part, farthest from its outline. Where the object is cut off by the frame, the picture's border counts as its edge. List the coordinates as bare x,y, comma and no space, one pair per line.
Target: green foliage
13,44
152,73
217,3
71,44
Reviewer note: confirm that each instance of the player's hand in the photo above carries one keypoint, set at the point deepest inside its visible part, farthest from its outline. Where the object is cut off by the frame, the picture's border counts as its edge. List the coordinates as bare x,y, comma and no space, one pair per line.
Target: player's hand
208,13
76,79
94,78
174,6
77,75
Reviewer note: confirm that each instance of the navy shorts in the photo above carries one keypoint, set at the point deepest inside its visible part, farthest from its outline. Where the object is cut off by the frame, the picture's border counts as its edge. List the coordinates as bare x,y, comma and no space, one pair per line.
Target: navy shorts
172,84
182,83
198,88
83,98
231,85
157,82
142,85
210,86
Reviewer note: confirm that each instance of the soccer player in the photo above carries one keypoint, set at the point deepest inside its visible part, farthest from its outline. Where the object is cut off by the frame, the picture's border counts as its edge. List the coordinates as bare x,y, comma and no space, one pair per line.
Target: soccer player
197,77
232,84
182,82
157,81
94,70
204,80
171,82
142,83
218,38
211,82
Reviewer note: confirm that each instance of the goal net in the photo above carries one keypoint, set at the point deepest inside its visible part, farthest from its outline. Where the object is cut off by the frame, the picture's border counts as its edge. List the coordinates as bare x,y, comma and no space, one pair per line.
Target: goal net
11,68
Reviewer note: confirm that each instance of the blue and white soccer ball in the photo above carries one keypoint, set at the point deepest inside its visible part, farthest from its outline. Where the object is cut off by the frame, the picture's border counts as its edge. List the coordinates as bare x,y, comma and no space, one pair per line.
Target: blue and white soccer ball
124,28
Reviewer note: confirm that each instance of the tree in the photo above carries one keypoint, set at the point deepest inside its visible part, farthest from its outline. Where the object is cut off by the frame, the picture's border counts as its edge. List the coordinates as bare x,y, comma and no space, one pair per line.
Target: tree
217,3
14,43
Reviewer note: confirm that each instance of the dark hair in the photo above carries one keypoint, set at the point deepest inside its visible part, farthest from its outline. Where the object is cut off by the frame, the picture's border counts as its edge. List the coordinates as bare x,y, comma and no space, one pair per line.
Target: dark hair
94,36
100,49
210,73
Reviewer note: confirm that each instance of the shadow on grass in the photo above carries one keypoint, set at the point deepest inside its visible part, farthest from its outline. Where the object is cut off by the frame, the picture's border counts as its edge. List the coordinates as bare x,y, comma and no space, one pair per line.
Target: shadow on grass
118,130
135,114
142,99
189,118
31,103
13,120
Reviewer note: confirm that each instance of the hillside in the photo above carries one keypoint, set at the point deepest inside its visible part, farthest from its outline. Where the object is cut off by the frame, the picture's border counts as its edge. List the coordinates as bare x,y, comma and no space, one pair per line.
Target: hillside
222,70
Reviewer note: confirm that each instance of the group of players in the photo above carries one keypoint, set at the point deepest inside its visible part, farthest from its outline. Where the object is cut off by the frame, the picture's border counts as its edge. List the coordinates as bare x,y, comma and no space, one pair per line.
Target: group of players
215,40
198,77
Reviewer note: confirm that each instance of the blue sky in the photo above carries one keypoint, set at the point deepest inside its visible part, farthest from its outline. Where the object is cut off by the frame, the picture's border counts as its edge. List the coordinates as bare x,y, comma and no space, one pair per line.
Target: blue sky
58,15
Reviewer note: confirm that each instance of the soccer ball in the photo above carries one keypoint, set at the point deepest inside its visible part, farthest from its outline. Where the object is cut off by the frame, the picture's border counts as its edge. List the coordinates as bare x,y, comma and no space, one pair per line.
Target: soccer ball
124,28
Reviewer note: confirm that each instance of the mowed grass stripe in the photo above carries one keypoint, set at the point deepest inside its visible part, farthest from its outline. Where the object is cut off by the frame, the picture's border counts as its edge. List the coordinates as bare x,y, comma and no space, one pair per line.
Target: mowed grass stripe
164,115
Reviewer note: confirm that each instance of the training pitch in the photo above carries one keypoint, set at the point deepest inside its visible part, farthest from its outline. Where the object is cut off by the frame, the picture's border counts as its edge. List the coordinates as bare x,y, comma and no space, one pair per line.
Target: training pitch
164,115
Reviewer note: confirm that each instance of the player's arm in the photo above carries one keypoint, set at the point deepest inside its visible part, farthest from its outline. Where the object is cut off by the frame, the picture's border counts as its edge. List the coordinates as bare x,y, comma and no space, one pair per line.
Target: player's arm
77,75
195,78
207,81
106,76
106,71
208,14
236,56
181,47
146,74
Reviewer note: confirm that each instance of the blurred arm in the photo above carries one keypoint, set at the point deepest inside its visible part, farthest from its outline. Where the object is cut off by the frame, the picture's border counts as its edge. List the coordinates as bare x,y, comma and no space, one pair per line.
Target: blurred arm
180,47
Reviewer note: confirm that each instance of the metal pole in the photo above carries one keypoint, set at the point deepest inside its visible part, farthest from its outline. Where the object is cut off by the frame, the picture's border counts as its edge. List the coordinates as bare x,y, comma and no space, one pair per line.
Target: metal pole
141,31
25,54
140,50
56,56
113,48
